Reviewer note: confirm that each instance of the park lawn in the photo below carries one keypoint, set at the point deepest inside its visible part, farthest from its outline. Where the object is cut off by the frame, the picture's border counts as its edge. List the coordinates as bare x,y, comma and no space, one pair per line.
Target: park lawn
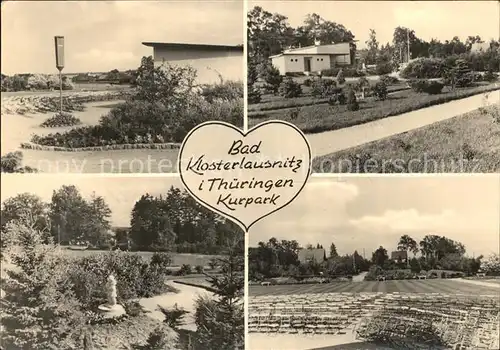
320,118
468,143
444,286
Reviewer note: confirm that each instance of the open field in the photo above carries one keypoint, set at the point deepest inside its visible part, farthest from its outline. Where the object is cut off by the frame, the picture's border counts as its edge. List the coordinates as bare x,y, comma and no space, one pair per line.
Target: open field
320,118
403,286
466,143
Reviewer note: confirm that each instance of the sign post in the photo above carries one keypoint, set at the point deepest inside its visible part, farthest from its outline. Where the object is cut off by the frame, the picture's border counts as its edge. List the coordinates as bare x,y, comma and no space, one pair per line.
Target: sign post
59,46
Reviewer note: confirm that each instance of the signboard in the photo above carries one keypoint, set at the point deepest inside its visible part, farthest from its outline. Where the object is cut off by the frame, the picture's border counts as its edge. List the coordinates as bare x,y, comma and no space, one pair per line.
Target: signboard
59,43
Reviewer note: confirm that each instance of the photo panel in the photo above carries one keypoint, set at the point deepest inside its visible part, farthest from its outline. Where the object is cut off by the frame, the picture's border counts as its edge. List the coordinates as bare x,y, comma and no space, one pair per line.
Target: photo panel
114,87
117,263
380,86
378,263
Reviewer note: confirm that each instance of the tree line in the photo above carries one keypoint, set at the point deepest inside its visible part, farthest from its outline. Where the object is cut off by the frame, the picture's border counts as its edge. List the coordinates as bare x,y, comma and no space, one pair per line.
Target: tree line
276,258
270,33
174,222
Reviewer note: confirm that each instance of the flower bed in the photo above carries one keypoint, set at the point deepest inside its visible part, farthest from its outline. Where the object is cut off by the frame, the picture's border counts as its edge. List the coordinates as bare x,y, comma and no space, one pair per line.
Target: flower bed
61,120
72,101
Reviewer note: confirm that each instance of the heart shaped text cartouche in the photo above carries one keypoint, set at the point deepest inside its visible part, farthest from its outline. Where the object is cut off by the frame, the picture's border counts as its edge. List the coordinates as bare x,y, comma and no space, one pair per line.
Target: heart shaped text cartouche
245,176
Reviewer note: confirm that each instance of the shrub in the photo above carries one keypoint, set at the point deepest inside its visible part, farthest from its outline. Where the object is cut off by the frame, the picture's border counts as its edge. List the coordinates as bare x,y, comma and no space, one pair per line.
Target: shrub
161,260
340,77
273,78
184,270
433,87
373,273
199,269
352,103
383,67
424,68
307,82
380,90
289,88
173,316
418,85
60,120
12,163
347,72
490,76
323,87
254,95
227,90
337,98
464,80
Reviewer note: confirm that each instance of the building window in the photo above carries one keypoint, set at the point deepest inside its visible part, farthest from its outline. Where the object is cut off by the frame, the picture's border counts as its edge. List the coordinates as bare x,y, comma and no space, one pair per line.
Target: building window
296,60
321,59
291,60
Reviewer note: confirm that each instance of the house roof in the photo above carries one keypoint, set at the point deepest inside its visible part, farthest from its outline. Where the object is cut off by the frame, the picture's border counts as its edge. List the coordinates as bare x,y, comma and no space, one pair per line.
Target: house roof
400,254
208,47
314,254
329,49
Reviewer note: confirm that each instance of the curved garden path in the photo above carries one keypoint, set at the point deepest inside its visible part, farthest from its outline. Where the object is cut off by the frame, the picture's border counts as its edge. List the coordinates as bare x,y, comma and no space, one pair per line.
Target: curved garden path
332,141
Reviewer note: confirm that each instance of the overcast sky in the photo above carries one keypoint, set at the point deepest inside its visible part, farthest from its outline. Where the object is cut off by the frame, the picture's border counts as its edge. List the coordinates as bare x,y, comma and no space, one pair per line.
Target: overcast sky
430,19
364,213
120,193
101,36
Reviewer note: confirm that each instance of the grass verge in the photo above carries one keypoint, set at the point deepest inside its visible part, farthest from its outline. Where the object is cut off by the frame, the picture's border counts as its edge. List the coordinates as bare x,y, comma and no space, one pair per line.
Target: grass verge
469,143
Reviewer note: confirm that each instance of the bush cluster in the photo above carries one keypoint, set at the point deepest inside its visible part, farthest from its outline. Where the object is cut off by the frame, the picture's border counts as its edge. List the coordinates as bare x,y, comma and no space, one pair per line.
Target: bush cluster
348,72
323,87
424,68
430,87
135,277
289,88
226,91
61,120
380,90
254,95
352,102
490,76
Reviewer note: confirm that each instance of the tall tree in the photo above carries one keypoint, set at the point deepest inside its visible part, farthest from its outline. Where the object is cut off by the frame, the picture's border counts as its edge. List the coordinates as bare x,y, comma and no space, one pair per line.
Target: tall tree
28,208
373,48
407,244
333,251
379,256
97,223
66,210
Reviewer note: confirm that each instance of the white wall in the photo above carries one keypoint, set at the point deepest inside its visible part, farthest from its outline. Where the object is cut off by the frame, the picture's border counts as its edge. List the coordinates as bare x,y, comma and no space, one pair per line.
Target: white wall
295,63
207,63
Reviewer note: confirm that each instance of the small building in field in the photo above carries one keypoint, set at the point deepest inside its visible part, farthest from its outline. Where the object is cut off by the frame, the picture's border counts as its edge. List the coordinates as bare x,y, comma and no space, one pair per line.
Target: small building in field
480,47
208,60
317,255
315,58
399,256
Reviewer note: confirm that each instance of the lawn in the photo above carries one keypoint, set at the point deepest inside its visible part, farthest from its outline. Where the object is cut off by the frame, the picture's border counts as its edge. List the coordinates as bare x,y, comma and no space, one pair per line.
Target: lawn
322,117
178,259
403,286
469,143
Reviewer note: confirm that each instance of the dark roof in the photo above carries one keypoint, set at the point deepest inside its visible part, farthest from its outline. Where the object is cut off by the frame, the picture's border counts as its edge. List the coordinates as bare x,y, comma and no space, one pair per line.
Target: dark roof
210,47
399,254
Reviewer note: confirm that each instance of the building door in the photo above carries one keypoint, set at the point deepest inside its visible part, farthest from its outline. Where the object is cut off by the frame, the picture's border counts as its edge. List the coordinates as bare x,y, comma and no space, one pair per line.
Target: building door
307,64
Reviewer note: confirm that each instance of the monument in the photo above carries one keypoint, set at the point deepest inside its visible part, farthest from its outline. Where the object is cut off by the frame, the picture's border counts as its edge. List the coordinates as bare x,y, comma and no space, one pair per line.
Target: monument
111,309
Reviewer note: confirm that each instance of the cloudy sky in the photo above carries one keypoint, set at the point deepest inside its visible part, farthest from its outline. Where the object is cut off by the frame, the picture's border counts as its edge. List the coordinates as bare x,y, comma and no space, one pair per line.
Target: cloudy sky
366,212
430,19
120,193
101,36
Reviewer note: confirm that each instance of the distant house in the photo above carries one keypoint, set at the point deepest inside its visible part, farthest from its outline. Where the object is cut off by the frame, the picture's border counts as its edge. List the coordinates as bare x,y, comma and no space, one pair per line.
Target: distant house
399,255
317,255
313,58
209,60
478,47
